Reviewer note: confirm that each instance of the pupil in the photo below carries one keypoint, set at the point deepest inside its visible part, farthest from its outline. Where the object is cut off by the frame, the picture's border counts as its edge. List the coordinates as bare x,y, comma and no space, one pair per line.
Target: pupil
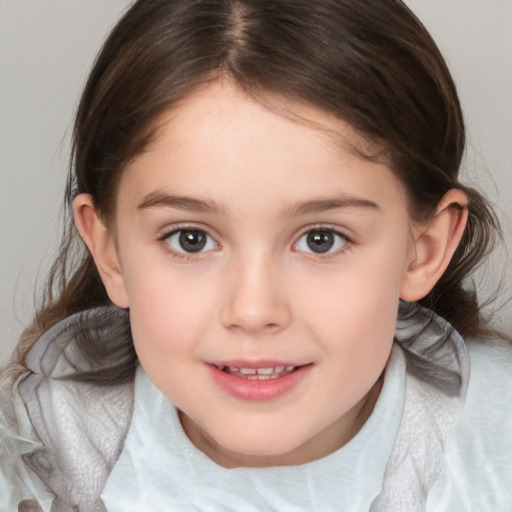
192,241
320,241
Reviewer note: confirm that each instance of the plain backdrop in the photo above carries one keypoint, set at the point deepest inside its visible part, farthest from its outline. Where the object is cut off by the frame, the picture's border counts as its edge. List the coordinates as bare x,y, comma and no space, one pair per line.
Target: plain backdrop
47,48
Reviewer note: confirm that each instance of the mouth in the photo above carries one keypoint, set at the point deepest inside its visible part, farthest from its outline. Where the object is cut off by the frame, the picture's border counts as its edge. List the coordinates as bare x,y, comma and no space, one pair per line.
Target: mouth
258,382
267,373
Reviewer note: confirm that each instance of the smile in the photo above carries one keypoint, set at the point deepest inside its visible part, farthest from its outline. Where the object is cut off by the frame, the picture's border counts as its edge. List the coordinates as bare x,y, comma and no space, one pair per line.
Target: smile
272,372
262,383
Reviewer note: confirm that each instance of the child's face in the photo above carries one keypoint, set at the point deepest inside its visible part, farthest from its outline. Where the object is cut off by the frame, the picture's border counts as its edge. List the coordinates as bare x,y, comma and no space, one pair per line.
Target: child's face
248,240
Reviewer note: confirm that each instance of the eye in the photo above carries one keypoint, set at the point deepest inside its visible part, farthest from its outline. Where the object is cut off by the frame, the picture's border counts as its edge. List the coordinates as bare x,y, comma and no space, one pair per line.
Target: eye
321,241
190,241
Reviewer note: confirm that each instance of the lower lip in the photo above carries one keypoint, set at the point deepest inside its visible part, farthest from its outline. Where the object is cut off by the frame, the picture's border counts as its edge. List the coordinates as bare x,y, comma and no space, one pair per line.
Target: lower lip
255,389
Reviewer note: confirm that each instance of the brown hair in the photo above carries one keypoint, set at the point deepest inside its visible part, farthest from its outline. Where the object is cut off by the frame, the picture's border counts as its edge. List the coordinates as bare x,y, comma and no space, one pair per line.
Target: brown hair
370,63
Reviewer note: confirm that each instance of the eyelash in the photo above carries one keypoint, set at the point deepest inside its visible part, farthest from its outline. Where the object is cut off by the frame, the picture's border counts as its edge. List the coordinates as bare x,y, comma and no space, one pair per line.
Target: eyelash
320,228
191,256
182,255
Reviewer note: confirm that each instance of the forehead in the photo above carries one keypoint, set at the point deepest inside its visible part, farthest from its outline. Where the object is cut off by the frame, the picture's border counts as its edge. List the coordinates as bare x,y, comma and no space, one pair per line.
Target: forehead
224,100
220,136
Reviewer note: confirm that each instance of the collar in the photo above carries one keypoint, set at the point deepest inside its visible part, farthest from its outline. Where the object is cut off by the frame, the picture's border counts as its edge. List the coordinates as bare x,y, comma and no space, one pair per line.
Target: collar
82,426
435,392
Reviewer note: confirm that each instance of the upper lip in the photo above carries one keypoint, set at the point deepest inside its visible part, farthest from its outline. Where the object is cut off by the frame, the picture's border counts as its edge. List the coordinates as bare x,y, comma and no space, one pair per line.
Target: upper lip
266,363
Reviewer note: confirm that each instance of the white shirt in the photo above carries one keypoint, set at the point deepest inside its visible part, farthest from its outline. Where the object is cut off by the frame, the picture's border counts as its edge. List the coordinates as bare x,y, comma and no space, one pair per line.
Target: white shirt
160,469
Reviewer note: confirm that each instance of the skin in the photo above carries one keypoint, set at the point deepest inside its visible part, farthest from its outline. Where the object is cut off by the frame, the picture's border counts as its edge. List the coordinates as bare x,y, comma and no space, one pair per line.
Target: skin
257,183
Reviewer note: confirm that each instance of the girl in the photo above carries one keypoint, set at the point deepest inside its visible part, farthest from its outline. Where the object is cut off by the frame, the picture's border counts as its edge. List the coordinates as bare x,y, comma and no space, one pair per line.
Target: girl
262,189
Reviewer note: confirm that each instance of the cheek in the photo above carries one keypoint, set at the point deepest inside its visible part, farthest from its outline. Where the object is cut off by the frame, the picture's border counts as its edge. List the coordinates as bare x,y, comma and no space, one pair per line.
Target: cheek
168,324
355,310
168,312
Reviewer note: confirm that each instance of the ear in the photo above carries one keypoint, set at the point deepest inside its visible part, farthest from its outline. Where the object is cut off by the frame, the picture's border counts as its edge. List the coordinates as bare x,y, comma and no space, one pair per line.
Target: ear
100,241
434,245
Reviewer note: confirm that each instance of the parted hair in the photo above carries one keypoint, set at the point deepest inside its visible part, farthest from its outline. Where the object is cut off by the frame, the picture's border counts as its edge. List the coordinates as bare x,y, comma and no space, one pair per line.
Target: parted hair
370,63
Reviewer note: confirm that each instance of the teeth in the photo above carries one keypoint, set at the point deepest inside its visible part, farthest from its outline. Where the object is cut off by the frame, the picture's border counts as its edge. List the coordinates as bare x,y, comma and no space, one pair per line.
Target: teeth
258,373
265,371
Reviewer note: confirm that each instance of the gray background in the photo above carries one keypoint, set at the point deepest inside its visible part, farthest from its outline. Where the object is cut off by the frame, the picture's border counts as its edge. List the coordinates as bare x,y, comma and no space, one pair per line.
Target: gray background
46,49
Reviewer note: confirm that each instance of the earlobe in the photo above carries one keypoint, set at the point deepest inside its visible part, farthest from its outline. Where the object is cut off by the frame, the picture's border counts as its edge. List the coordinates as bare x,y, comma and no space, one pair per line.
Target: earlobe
434,246
101,244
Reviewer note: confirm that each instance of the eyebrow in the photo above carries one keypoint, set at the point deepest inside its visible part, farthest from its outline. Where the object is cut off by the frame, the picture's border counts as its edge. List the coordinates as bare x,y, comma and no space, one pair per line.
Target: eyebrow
331,203
192,204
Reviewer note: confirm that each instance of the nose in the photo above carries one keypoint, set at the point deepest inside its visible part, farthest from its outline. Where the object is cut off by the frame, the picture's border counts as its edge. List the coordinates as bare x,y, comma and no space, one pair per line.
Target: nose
255,300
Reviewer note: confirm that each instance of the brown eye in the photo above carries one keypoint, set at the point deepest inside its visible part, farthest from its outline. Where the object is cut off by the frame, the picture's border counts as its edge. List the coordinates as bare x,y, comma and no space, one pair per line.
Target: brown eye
321,241
190,241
